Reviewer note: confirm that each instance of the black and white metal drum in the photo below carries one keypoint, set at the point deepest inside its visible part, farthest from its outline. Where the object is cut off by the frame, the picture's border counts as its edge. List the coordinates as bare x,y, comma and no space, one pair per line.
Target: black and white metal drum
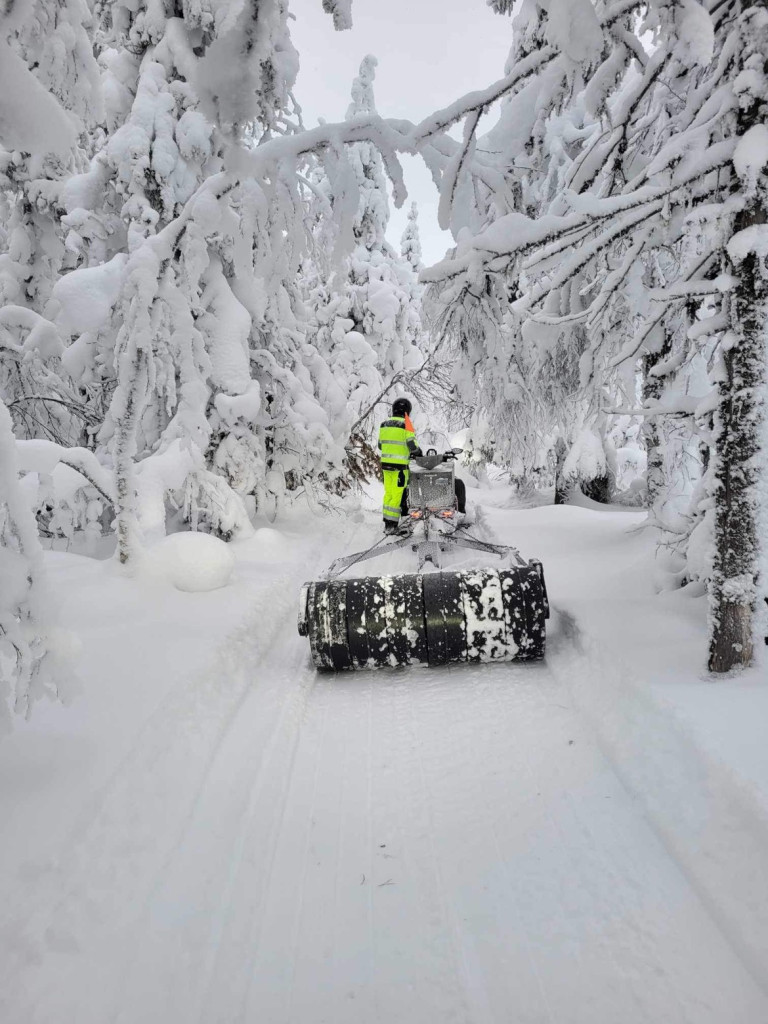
478,615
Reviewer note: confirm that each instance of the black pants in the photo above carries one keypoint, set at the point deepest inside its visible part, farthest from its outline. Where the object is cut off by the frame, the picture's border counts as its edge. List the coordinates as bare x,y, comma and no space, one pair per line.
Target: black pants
461,494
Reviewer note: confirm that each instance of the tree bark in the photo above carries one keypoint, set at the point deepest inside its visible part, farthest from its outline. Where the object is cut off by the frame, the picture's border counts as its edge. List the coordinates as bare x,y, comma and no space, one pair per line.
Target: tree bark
598,489
652,390
562,487
738,426
125,452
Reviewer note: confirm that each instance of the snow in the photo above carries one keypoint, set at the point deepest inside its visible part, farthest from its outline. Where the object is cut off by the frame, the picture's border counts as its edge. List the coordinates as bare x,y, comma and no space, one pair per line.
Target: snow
246,405
26,669
43,337
87,296
193,136
751,156
696,32
573,27
586,459
753,239
341,11
44,457
214,832
227,326
30,118
193,562
158,474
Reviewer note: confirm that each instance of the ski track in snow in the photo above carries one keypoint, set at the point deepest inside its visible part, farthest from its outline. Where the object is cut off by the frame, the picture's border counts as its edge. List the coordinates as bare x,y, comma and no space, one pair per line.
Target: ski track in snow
411,846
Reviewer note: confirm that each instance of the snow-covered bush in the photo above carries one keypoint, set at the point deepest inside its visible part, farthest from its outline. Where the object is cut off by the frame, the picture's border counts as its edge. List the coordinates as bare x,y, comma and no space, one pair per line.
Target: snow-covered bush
586,461
24,621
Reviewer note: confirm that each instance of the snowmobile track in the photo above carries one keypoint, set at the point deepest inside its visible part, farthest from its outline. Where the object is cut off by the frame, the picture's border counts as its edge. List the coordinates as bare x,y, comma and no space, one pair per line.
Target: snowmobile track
409,846
127,840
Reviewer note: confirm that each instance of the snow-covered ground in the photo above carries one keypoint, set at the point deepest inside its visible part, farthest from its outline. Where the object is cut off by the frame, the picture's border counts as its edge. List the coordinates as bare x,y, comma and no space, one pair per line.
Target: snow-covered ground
212,832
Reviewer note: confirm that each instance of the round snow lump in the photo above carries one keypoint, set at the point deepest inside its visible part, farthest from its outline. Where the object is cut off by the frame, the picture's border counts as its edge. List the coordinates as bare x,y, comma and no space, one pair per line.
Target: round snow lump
194,561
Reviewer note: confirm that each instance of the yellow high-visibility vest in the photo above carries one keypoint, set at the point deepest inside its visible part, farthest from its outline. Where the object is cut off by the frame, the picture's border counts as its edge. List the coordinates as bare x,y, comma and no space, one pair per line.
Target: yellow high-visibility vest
396,441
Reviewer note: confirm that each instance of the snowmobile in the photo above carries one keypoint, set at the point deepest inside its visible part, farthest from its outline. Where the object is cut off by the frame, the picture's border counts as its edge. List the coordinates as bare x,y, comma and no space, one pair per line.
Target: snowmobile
428,617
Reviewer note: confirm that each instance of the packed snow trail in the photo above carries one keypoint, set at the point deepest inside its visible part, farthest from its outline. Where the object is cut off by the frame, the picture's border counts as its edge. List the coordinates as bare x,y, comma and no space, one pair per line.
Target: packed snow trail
423,845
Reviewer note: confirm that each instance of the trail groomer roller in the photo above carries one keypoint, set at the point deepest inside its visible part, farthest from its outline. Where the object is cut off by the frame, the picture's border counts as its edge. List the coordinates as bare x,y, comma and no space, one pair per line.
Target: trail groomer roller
478,615
432,617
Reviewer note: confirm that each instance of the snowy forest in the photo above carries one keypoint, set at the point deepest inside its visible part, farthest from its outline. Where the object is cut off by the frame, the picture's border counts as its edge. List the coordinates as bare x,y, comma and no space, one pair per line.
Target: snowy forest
206,314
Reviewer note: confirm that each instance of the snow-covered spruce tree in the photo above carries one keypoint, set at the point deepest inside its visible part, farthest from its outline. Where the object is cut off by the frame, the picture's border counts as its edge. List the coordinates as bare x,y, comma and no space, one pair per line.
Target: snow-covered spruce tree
633,181
341,11
47,97
525,371
546,130
365,306
167,328
41,113
410,242
197,325
190,239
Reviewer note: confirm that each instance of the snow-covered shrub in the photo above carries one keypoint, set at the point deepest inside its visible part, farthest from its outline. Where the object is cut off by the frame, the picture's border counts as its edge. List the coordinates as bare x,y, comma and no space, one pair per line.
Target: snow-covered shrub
587,465
24,618
65,504
210,506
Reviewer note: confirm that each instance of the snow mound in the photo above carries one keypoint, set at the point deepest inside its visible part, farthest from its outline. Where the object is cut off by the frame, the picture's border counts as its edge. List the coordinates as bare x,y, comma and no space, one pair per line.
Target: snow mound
270,545
195,562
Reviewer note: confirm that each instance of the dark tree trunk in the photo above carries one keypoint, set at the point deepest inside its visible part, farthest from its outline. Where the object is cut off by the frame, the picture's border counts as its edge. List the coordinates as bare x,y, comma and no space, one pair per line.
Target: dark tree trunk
562,487
126,423
652,389
598,489
738,425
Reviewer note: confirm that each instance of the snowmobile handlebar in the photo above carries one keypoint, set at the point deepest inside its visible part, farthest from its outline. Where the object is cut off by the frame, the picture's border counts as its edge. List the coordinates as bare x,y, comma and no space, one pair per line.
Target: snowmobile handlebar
447,456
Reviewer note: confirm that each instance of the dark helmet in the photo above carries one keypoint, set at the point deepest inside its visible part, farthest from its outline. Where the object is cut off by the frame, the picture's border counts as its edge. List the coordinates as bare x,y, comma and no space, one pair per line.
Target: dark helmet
401,407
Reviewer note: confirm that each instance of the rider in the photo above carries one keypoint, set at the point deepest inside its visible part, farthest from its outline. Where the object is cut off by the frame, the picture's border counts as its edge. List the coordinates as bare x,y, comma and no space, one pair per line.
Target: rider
397,443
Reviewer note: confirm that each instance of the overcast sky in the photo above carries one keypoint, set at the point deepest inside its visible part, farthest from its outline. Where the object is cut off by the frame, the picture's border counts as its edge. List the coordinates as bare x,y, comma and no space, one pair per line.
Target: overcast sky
430,52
